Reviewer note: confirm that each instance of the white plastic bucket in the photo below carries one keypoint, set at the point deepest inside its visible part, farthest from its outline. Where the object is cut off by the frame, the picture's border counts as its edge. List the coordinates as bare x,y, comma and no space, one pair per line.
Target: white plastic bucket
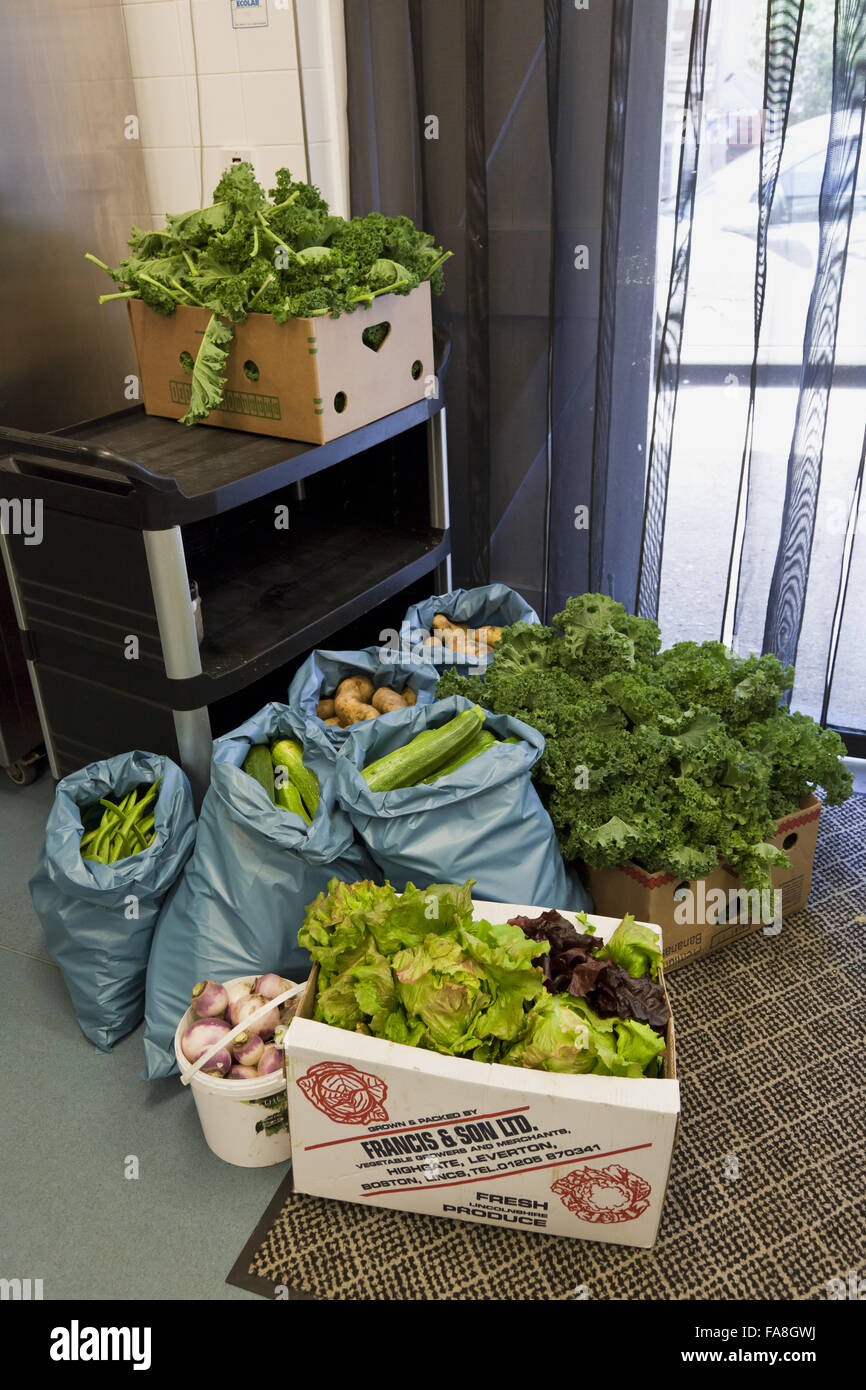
243,1122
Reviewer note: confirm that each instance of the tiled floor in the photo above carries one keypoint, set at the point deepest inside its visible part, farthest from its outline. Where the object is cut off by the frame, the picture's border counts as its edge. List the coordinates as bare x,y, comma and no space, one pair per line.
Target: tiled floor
70,1118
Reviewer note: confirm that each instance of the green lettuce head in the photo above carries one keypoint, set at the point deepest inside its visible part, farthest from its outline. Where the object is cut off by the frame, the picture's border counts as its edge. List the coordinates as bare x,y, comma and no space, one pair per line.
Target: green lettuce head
634,947
556,1038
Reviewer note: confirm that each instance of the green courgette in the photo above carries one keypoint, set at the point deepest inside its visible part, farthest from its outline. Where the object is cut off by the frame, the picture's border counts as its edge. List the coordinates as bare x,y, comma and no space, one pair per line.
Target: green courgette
287,753
258,765
481,742
289,798
433,748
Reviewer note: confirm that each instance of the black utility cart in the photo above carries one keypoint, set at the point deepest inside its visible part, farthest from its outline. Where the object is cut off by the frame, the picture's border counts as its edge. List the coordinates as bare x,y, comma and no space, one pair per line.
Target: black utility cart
283,543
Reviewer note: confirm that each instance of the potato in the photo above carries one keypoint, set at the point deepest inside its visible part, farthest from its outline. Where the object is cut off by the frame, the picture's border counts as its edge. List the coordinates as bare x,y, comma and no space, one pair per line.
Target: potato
386,699
334,720
409,696
352,700
326,710
440,621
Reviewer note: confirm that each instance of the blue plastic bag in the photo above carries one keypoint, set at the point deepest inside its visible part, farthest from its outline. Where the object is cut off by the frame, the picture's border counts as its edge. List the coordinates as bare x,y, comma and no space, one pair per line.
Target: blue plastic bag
322,672
256,867
491,605
484,821
99,919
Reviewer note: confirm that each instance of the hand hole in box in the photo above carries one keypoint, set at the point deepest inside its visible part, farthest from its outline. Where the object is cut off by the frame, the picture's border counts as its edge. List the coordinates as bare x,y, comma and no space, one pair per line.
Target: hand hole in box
187,361
417,369
251,370
340,402
790,840
374,335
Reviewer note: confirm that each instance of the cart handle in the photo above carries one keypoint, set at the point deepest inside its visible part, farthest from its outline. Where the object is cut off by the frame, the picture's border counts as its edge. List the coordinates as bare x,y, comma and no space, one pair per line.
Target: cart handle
76,451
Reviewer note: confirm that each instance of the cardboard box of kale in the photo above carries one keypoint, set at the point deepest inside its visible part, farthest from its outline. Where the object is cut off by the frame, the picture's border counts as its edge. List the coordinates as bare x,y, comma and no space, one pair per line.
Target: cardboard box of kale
311,379
703,915
388,1125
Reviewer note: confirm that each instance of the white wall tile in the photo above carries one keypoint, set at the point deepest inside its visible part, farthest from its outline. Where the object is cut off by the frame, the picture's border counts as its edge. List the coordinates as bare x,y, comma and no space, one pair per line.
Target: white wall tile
310,34
153,35
222,110
317,94
265,50
215,39
162,104
172,180
272,101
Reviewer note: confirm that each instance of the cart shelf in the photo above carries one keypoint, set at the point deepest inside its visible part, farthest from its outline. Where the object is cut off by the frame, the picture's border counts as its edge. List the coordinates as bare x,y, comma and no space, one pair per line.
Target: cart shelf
261,613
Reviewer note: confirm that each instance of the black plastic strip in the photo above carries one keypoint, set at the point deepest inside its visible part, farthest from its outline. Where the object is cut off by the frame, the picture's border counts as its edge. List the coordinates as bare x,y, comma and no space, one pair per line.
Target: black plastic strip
614,163
667,378
787,596
477,301
553,58
844,576
782,38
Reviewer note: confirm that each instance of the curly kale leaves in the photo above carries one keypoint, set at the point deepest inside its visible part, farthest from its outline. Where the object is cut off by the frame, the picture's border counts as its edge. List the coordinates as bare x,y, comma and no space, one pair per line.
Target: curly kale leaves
286,255
670,759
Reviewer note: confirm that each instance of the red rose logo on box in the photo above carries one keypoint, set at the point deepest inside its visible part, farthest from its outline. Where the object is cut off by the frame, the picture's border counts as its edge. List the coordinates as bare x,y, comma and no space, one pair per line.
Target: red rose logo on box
344,1094
603,1195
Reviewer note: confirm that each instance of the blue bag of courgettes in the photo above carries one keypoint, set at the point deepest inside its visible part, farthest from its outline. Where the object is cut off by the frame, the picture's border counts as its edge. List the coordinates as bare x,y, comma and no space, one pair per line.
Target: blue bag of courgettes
239,905
490,605
99,919
321,673
483,821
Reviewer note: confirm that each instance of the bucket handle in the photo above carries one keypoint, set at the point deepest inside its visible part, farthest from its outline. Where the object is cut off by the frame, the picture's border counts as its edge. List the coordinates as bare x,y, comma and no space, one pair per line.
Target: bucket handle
187,1076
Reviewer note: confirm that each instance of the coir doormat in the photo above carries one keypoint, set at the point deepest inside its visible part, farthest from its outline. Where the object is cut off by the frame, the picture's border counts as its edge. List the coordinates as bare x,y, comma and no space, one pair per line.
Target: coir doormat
766,1196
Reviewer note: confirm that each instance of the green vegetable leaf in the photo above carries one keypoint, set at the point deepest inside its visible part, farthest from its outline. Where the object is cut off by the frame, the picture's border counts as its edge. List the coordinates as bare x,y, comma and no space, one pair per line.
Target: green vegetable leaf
207,379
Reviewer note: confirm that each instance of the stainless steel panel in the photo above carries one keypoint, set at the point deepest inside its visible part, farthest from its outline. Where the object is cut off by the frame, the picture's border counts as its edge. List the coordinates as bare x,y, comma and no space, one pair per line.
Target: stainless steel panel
70,182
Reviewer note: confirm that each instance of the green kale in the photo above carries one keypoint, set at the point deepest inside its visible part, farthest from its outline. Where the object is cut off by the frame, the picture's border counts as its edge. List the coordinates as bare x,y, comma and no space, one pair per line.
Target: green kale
287,256
670,759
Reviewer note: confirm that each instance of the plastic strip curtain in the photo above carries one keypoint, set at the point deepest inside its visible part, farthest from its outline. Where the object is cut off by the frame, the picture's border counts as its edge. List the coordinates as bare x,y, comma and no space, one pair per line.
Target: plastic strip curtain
791,573
667,378
477,299
784,21
614,162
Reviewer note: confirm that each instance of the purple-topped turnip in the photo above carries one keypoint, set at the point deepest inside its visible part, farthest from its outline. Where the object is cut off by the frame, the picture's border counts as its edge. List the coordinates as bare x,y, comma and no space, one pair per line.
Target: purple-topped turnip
238,989
271,1060
220,1063
239,1073
248,1048
201,1035
269,986
243,1009
209,1000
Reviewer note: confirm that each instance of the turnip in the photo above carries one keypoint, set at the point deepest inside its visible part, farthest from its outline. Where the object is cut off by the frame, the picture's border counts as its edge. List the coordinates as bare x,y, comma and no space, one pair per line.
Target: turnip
271,1060
220,1063
248,1048
201,1035
238,989
269,986
243,1009
239,1073
209,1000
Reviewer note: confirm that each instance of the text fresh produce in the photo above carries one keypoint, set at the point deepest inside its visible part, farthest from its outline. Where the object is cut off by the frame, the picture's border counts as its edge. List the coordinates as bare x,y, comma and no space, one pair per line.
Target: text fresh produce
671,759
415,968
288,257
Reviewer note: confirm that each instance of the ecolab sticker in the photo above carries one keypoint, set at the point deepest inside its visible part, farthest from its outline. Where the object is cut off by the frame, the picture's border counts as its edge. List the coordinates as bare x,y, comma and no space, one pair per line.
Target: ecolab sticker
249,14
